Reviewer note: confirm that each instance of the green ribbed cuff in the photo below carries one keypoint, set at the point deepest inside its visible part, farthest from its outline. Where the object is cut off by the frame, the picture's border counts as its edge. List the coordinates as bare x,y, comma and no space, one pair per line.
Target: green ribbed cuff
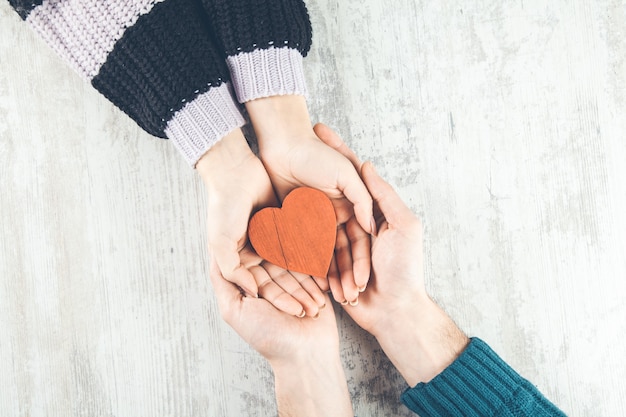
478,383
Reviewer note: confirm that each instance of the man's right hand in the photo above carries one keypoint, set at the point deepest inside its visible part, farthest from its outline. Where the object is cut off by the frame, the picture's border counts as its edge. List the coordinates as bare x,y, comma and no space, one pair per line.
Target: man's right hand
417,336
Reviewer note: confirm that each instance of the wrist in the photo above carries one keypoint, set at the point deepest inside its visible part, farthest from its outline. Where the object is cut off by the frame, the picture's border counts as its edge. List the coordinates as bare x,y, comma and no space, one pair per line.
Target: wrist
311,387
279,120
421,340
230,153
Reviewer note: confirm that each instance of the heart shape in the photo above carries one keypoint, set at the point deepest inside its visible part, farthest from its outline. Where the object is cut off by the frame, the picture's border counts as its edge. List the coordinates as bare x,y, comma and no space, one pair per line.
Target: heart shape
298,237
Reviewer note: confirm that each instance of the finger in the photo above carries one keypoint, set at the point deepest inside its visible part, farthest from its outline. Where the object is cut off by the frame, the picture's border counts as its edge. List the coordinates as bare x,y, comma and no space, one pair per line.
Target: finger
227,294
332,139
290,285
229,262
334,282
360,244
352,186
328,312
349,181
249,257
343,255
272,292
389,202
309,285
322,283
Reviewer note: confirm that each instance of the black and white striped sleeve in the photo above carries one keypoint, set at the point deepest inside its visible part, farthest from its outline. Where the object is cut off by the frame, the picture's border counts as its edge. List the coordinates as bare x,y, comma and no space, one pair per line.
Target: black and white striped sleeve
264,42
157,60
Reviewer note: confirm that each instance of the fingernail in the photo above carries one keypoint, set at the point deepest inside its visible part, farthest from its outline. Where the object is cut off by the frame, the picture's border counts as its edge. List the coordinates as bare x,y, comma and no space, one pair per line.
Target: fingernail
302,314
323,306
316,316
250,293
344,303
373,226
361,289
354,303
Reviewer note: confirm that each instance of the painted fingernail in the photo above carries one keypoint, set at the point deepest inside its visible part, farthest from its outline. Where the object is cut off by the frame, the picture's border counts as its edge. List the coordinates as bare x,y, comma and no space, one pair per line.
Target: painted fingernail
361,289
354,303
373,226
302,314
344,303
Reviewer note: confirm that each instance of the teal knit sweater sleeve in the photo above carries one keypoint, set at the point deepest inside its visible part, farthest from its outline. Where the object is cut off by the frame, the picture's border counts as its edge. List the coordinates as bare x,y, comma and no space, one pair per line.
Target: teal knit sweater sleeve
478,383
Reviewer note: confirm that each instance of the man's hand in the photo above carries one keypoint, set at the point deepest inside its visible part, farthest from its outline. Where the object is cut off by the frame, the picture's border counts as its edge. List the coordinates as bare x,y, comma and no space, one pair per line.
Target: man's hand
416,335
294,156
303,353
237,185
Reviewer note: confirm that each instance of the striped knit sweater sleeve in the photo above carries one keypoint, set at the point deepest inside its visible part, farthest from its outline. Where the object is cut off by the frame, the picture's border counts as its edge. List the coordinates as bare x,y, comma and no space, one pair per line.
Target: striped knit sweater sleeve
478,384
167,63
265,41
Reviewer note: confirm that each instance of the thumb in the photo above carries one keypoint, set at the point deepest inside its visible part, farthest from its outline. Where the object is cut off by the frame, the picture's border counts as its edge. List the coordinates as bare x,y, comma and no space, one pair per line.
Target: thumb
349,181
332,139
225,292
351,185
229,298
389,202
229,263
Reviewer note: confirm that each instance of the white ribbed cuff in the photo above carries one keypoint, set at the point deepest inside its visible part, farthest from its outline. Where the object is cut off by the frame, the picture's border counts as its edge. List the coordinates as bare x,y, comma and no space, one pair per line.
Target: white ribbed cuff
267,72
199,125
84,32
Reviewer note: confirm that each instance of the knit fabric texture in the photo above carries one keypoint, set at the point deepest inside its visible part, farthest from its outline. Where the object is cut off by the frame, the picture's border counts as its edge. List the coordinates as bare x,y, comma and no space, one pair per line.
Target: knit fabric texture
204,121
247,25
179,68
478,384
267,72
84,32
24,7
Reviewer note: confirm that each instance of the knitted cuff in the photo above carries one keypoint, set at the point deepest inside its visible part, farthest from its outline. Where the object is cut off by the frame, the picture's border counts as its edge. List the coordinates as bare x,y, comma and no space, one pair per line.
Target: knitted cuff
478,383
267,72
201,123
84,32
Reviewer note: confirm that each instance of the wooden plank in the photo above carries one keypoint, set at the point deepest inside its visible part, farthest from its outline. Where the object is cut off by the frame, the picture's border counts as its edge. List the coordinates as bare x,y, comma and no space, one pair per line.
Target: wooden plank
501,124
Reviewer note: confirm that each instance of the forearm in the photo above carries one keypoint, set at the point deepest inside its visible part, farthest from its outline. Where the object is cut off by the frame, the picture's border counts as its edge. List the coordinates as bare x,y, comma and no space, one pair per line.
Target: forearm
226,156
279,119
312,388
265,59
479,380
449,373
155,61
421,340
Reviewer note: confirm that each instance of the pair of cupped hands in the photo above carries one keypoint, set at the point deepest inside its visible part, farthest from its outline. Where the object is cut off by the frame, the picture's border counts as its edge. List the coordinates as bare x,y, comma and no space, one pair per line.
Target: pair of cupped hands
376,272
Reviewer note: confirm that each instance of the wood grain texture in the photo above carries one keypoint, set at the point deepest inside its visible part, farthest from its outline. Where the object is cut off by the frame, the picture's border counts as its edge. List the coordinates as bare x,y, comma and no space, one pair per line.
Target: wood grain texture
502,124
299,236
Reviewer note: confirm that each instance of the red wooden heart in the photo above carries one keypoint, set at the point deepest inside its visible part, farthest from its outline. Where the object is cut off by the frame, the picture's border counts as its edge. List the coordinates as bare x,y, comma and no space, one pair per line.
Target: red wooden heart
298,237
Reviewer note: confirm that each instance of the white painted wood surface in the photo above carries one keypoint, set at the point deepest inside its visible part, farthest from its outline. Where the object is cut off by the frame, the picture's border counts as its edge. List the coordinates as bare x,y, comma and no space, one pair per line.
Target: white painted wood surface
502,124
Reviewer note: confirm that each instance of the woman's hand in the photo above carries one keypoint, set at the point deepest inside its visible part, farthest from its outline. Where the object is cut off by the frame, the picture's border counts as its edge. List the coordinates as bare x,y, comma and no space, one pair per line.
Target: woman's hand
294,156
237,185
303,353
